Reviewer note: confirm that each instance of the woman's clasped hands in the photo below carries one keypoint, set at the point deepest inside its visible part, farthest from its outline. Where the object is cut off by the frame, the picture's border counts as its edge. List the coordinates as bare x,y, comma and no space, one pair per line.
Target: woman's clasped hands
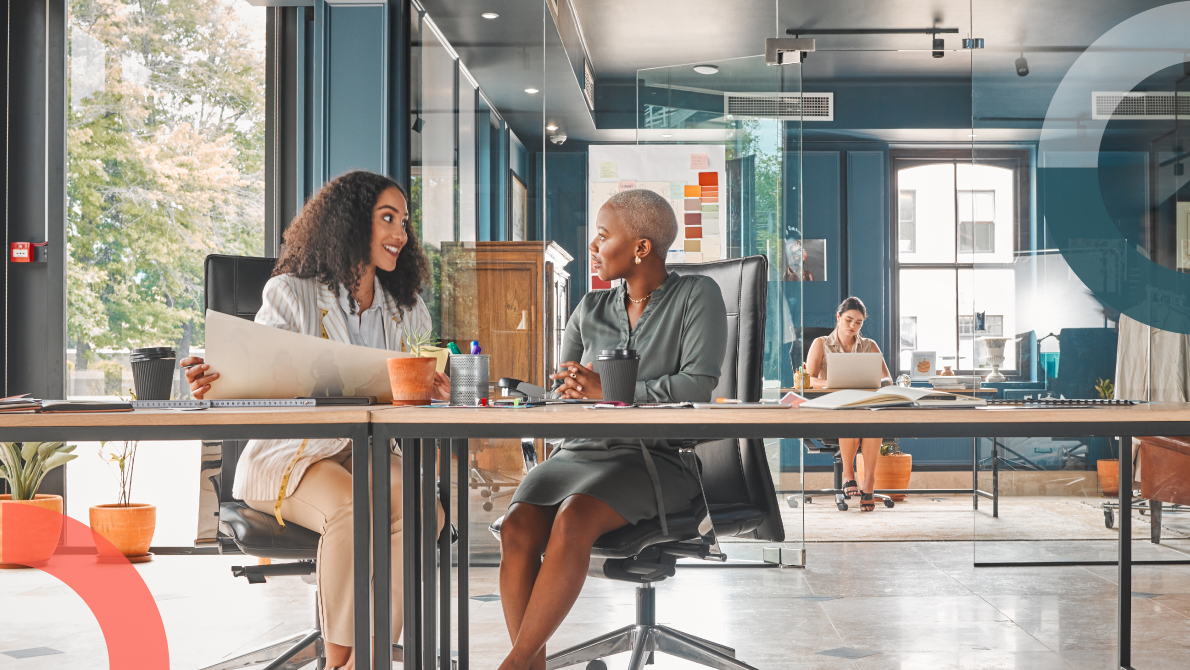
579,382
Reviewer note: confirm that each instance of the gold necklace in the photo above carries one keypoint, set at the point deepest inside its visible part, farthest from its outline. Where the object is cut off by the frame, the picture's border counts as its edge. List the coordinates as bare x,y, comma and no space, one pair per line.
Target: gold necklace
637,302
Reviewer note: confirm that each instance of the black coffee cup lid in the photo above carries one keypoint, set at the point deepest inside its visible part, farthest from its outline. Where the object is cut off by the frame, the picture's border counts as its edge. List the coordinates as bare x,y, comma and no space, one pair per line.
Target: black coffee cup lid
150,353
617,354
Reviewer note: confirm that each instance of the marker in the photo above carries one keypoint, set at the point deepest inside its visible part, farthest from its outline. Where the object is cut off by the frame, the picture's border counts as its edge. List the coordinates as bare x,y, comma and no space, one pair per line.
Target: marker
454,348
475,348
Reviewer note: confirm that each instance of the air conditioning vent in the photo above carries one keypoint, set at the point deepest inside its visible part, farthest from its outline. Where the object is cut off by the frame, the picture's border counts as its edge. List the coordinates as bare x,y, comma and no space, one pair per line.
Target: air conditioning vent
1151,105
784,106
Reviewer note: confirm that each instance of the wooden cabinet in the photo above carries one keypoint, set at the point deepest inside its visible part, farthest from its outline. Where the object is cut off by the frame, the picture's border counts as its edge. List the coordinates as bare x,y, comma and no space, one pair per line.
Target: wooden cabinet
513,297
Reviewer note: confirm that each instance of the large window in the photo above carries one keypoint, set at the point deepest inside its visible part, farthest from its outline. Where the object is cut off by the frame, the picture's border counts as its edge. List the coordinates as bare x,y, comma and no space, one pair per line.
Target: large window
957,229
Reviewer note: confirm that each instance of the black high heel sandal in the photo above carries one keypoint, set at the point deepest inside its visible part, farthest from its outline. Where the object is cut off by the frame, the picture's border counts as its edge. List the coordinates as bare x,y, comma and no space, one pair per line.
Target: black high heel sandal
867,502
850,488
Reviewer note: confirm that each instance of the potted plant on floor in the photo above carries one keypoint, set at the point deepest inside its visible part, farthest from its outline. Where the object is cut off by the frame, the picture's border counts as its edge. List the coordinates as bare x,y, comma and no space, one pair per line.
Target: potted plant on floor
23,465
1109,468
893,468
412,377
128,526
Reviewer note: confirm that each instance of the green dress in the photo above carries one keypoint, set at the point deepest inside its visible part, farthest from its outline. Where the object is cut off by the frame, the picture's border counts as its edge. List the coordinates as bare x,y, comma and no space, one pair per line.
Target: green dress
681,338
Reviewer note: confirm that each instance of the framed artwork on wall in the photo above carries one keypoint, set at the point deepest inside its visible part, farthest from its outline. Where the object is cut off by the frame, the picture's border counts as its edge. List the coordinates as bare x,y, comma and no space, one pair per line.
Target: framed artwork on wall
921,365
520,208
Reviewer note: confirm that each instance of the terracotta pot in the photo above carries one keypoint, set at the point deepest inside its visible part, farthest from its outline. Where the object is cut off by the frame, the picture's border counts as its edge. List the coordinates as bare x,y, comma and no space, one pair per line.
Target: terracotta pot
129,529
38,545
1109,476
892,472
412,380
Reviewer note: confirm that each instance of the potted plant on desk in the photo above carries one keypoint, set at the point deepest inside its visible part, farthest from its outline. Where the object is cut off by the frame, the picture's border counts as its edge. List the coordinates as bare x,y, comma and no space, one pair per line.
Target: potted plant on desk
23,465
412,377
893,469
127,525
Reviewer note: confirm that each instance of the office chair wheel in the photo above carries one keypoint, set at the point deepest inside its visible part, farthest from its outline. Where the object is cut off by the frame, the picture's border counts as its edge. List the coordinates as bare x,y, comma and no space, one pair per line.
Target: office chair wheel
888,502
597,665
792,500
809,500
842,506
1108,518
487,506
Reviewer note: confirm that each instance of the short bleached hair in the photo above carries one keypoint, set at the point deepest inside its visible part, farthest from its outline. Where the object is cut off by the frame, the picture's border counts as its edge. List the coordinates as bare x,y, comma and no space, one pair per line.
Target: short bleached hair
647,215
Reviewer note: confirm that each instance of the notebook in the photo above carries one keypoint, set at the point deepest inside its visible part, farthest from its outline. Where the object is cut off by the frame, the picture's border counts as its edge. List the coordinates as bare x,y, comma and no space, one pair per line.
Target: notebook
892,396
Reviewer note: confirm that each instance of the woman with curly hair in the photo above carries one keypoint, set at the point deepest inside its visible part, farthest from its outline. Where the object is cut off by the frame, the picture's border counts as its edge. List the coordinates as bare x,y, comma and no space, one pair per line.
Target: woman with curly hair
349,271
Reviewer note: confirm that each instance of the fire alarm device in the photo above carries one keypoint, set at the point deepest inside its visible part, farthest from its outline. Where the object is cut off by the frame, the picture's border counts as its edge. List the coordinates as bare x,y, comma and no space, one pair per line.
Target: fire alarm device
24,252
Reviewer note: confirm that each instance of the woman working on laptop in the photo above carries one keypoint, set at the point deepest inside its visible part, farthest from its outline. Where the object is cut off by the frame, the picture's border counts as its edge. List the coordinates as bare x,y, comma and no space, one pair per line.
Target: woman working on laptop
845,339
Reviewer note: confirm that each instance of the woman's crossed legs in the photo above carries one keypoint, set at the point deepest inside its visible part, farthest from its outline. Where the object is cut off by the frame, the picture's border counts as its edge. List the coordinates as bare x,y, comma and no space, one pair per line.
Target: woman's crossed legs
536,592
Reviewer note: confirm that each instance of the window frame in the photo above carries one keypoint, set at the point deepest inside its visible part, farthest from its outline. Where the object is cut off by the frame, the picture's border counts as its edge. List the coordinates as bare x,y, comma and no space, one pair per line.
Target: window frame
1019,160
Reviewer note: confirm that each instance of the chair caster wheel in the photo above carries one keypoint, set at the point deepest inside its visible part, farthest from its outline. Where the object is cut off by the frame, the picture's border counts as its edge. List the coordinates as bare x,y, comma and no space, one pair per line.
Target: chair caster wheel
809,500
842,506
888,503
487,507
792,502
597,665
1108,518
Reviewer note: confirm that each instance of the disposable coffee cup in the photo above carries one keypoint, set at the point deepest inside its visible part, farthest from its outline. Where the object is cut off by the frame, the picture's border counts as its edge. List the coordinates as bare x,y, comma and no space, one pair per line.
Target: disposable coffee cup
617,374
469,378
153,372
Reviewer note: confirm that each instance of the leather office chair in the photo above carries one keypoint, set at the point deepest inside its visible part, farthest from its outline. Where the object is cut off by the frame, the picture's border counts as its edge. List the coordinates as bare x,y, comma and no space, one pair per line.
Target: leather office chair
234,285
738,488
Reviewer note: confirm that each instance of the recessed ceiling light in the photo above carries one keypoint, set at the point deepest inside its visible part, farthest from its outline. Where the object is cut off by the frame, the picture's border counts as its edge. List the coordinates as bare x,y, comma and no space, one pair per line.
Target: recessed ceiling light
667,134
531,91
706,69
490,15
551,127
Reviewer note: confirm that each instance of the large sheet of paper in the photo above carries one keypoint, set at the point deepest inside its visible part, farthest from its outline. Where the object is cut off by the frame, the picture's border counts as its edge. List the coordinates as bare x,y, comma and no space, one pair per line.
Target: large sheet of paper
255,361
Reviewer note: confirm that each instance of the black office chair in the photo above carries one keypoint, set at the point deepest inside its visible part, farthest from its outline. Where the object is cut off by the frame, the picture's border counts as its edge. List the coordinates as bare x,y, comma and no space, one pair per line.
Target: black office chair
234,285
737,484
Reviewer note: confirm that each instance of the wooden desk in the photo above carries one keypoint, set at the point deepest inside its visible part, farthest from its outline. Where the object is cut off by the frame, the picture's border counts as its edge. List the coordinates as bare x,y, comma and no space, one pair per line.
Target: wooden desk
253,423
414,424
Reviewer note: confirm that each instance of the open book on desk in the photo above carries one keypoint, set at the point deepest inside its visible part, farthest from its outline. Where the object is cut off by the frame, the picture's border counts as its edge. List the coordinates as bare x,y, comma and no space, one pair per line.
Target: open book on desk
892,396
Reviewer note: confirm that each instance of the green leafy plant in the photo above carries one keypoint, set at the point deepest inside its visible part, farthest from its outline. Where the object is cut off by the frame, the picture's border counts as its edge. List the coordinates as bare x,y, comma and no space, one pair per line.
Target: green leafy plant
418,340
25,464
1105,388
124,460
892,448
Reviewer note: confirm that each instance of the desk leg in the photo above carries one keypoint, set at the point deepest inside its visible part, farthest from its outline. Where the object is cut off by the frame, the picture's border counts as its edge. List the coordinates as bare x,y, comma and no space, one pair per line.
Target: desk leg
975,473
361,533
410,534
429,549
995,478
444,646
464,551
382,565
1124,580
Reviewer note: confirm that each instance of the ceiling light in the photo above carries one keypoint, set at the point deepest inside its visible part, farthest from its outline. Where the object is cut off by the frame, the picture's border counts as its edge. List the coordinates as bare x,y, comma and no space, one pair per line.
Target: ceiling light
531,91
1022,66
667,134
490,15
551,127
706,69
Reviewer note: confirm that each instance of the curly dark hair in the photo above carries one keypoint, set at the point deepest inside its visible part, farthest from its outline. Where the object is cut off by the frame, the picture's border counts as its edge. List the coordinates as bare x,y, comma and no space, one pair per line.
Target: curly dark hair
331,239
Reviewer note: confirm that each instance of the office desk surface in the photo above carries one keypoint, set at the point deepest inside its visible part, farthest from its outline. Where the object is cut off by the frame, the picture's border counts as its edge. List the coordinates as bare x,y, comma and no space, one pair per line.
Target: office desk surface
576,421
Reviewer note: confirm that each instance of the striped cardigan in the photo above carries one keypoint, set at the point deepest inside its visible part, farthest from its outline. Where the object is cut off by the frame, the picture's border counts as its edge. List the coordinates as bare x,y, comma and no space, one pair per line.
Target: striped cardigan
308,307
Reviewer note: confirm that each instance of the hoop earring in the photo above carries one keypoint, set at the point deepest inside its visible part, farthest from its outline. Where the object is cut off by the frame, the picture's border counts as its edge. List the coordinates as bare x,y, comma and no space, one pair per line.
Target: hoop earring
638,260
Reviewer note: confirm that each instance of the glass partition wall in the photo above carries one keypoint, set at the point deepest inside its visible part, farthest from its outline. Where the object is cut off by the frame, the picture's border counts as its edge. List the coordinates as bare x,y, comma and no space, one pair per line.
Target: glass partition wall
1088,300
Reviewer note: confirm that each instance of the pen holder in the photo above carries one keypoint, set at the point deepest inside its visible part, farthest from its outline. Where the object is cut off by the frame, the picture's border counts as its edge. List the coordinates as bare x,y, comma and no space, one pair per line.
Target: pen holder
469,378
617,374
153,372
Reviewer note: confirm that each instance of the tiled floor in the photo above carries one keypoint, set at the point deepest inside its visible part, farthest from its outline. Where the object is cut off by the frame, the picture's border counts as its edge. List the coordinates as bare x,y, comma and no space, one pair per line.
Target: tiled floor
908,605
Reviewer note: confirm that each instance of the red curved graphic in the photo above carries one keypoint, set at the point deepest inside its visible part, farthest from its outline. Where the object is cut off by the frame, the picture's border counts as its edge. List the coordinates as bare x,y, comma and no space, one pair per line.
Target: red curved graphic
115,592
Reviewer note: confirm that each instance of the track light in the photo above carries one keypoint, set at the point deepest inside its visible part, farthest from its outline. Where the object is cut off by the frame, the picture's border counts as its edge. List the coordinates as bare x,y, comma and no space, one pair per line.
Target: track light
1022,66
939,45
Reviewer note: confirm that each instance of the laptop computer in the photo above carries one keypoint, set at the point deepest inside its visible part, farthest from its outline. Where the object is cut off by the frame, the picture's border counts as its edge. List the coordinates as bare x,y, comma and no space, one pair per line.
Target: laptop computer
854,371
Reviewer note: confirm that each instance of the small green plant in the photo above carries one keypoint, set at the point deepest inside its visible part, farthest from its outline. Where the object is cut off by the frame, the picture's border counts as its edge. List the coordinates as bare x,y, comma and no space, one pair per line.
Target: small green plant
418,340
892,448
1105,388
25,464
124,458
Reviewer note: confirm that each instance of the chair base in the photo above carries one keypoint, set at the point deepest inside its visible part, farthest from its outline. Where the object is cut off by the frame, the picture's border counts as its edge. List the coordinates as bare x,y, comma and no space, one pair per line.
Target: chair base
291,653
645,637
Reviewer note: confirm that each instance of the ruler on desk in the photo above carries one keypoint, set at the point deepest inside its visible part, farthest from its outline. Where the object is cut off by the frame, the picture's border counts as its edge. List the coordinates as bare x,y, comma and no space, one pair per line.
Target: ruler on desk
205,404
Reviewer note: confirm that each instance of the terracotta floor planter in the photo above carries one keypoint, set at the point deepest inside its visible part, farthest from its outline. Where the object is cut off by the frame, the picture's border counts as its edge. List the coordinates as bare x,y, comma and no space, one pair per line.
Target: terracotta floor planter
129,529
40,543
412,380
1109,476
892,472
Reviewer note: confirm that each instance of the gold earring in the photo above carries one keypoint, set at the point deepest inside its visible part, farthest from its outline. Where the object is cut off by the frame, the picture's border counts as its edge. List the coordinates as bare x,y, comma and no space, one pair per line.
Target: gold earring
638,260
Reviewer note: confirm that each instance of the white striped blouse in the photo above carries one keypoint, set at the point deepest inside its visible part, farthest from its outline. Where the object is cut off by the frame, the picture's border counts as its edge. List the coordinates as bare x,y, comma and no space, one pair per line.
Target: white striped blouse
308,307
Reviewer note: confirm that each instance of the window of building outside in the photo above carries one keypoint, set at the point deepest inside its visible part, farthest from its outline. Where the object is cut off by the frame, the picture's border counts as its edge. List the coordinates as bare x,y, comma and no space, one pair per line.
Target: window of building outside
165,142
955,260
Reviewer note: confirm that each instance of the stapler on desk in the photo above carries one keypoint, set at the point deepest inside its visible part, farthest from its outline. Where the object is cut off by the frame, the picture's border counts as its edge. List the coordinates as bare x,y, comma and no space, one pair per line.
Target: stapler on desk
515,388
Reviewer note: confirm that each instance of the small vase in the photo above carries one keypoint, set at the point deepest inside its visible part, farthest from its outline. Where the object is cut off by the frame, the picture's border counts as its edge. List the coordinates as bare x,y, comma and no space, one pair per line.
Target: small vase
128,528
37,545
412,380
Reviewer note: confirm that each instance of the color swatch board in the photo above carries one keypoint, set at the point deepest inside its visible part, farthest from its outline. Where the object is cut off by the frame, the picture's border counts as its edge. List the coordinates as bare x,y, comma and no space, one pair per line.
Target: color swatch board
689,176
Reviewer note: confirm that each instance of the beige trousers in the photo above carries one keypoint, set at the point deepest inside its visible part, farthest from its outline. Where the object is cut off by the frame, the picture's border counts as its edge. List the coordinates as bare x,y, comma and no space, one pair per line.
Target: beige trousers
322,503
